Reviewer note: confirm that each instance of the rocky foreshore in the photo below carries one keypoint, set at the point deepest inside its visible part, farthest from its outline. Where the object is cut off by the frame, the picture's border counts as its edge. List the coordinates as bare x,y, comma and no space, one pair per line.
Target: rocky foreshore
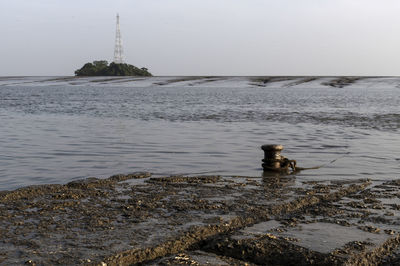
198,220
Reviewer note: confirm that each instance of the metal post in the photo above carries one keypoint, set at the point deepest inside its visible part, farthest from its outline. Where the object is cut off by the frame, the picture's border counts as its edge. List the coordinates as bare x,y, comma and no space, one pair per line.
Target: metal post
272,157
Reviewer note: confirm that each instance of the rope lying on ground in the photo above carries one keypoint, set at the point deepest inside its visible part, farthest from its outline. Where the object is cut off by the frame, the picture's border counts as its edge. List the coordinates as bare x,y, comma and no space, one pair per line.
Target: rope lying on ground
285,165
290,166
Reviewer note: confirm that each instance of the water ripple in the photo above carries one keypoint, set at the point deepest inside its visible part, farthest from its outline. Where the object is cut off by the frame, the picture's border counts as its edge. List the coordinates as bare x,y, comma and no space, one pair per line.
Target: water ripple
57,133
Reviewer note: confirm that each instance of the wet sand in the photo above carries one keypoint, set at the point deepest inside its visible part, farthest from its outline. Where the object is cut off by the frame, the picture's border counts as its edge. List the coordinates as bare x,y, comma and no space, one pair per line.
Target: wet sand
214,220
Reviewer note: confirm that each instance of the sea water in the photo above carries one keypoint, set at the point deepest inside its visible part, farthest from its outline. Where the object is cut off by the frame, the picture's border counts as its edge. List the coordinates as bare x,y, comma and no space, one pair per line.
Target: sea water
59,129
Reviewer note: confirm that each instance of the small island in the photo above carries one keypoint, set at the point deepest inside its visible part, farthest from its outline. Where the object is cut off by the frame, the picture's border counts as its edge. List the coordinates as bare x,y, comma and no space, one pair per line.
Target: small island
102,68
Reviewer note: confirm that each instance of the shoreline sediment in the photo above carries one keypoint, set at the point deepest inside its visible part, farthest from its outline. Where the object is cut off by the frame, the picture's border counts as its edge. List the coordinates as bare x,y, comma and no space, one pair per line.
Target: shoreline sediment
139,219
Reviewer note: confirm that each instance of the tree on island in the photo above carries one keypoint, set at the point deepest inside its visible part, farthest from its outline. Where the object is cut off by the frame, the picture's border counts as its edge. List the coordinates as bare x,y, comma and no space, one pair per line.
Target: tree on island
102,68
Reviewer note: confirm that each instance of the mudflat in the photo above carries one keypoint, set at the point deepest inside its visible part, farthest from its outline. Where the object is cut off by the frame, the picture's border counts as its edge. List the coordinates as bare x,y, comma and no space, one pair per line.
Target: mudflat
197,220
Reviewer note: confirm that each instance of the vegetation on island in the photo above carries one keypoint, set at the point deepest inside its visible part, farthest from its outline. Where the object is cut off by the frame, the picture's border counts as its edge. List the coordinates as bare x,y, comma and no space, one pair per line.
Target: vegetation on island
102,68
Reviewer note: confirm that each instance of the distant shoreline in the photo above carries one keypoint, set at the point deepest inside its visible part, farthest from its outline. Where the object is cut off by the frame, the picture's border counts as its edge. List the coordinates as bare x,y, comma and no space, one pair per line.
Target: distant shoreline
204,76
260,81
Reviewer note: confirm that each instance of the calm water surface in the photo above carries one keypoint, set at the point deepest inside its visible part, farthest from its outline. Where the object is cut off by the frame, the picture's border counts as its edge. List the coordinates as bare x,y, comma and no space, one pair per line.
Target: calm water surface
54,130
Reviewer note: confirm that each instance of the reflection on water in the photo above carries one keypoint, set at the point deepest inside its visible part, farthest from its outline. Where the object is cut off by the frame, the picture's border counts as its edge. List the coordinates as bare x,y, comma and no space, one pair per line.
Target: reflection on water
54,134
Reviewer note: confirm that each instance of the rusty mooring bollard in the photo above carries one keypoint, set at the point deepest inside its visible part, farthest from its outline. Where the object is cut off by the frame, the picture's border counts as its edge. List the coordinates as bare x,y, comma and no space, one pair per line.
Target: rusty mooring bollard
272,157
274,161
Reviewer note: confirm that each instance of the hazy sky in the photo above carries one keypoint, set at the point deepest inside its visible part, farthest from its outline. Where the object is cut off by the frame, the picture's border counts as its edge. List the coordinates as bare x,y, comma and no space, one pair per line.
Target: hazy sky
203,37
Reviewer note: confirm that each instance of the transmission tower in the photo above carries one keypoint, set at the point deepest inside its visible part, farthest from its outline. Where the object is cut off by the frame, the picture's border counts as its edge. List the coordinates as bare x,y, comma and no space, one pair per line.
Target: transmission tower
118,51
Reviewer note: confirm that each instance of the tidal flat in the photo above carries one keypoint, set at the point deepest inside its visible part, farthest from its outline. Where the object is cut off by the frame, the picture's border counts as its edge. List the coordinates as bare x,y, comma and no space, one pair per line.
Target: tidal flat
198,195
138,219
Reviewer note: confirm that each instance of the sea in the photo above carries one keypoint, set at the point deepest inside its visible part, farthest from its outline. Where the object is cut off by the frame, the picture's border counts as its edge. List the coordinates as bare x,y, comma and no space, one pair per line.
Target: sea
60,129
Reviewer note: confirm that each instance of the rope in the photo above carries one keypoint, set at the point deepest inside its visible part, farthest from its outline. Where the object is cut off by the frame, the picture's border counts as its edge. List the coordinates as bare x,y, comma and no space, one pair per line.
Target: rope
292,164
284,163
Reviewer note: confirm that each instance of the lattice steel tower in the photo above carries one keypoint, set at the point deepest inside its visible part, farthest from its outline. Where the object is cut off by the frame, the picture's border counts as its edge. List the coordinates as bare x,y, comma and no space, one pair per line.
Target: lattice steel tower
118,51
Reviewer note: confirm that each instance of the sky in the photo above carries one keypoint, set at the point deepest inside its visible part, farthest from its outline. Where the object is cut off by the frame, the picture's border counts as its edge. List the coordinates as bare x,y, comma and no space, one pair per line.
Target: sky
203,37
